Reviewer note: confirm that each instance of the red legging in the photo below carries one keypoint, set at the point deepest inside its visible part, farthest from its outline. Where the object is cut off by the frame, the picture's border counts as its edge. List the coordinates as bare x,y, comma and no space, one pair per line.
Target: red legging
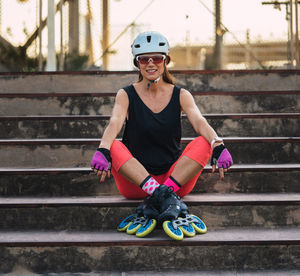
199,150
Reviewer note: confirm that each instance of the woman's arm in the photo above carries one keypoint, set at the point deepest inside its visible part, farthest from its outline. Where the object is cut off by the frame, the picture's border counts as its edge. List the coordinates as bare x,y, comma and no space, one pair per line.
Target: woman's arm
221,157
195,117
101,162
116,121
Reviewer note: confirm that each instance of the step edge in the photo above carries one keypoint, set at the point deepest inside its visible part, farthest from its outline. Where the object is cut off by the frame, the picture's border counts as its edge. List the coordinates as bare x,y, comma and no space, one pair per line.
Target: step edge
207,169
64,238
271,199
113,94
79,141
268,115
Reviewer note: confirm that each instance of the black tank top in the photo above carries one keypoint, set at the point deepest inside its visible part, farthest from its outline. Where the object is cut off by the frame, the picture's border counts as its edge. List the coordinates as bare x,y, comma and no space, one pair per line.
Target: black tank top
153,138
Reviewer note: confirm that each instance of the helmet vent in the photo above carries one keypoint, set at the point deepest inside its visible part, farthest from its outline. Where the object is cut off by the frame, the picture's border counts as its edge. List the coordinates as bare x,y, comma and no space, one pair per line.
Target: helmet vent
162,44
137,46
148,38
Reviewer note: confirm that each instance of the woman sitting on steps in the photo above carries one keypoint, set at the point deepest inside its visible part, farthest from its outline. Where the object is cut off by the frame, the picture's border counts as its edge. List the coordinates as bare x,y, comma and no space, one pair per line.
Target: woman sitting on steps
149,156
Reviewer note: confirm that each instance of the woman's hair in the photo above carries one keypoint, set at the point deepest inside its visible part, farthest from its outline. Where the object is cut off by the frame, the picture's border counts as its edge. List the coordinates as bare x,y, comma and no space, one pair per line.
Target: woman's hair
167,77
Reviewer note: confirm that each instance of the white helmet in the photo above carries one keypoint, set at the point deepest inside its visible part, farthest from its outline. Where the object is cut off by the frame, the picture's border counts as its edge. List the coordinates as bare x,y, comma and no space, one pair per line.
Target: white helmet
150,42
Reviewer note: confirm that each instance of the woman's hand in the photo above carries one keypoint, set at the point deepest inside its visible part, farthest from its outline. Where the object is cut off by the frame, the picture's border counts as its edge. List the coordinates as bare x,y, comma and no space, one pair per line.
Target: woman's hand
101,163
221,159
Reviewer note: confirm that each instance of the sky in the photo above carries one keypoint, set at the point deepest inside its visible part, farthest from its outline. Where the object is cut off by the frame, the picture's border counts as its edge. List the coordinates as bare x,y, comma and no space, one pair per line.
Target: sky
176,19
169,16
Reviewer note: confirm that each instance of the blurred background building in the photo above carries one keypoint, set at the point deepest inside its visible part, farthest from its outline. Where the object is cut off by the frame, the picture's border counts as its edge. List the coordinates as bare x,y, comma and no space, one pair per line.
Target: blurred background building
72,35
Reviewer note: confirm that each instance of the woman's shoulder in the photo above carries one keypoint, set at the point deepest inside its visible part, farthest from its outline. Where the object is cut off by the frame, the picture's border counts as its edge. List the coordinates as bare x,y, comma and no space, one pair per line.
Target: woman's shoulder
127,88
122,94
184,92
185,96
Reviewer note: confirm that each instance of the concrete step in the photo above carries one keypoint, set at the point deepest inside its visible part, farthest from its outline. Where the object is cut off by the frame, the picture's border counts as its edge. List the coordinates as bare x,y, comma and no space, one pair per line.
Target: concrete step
47,182
101,103
97,81
54,104
78,152
270,272
37,224
92,126
249,124
279,272
228,250
99,213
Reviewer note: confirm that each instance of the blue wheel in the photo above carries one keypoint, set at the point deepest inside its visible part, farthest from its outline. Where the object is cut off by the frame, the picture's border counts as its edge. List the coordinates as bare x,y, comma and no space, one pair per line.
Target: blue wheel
199,226
188,230
147,229
133,227
175,234
125,223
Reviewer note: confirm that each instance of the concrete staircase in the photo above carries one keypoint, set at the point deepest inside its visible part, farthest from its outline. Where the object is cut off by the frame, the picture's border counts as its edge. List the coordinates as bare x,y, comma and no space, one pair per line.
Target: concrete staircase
56,218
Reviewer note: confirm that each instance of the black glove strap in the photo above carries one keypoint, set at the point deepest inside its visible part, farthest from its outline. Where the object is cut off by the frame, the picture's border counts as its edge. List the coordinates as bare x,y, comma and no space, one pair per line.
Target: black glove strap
216,154
106,153
218,150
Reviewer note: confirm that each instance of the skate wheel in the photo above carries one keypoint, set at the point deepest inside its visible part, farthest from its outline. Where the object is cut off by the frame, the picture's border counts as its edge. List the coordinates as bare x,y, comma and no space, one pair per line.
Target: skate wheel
125,223
175,234
199,226
147,229
132,228
188,231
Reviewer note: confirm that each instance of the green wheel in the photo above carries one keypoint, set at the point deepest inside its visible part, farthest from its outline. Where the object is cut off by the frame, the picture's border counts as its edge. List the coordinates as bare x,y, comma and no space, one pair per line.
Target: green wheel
175,234
199,226
125,223
188,230
143,231
133,227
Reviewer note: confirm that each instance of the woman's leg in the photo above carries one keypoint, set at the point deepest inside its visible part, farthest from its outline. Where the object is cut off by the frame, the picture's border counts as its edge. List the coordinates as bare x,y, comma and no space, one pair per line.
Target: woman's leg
127,171
190,164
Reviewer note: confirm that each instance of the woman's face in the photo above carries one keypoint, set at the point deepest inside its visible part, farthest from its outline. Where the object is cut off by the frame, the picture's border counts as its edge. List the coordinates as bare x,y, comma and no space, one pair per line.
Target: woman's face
151,65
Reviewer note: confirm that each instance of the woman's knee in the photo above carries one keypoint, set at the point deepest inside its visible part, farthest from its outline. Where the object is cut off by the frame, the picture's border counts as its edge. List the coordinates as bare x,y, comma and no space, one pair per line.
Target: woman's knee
116,147
119,154
202,143
199,150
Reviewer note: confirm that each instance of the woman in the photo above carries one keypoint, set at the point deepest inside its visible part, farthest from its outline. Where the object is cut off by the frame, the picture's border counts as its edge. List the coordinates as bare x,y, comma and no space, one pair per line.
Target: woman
149,154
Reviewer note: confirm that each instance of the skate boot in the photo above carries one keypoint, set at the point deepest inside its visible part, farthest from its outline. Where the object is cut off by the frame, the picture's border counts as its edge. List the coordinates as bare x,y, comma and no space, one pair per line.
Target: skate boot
185,225
168,202
174,215
143,222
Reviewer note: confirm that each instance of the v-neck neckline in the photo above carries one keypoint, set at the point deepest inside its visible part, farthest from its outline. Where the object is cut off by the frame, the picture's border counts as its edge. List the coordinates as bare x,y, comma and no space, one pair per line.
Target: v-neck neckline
156,113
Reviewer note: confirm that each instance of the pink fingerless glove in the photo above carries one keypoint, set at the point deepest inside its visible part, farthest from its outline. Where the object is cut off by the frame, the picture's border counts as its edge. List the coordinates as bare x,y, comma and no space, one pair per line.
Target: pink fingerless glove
101,160
221,157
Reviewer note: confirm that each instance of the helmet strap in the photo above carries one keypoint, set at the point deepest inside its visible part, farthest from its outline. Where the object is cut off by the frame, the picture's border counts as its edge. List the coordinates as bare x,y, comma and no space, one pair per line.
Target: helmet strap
152,81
